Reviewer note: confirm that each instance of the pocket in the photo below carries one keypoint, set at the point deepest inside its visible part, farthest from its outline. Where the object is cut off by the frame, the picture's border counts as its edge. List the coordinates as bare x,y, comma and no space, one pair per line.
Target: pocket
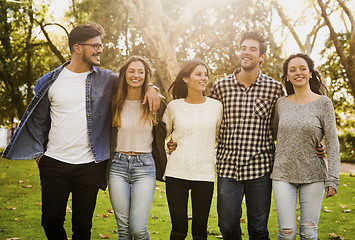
261,107
146,161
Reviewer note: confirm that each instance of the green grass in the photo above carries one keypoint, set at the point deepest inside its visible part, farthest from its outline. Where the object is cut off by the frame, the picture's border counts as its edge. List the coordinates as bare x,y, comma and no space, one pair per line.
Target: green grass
20,209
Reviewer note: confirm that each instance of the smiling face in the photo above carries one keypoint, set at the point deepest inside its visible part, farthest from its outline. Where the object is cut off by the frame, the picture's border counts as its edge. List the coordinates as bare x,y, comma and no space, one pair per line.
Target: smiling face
90,56
197,81
250,54
135,74
298,72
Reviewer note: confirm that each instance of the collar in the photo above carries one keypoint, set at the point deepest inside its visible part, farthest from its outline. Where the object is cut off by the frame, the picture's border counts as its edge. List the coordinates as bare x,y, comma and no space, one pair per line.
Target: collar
258,81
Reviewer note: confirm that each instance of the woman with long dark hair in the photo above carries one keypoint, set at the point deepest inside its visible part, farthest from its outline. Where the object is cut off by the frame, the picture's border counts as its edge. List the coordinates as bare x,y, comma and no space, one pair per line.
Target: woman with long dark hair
192,119
302,119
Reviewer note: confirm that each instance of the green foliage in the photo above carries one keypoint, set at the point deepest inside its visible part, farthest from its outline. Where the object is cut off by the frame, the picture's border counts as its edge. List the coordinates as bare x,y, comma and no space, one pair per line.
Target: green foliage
24,57
339,90
20,209
347,146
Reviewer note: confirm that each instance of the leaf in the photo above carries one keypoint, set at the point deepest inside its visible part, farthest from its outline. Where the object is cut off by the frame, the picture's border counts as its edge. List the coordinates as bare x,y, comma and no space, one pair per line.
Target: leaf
26,186
154,217
11,208
327,210
104,236
109,210
335,236
346,210
21,181
242,220
13,238
39,204
104,215
68,209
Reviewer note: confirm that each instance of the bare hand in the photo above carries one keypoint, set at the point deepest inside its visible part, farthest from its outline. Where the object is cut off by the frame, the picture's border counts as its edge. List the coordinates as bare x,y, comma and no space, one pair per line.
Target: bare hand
320,151
330,192
153,99
171,146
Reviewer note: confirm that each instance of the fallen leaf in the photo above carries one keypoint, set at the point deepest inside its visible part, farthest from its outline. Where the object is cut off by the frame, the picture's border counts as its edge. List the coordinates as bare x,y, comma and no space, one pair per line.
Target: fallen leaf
21,181
109,210
68,209
14,238
352,174
242,220
346,210
26,186
327,210
104,236
11,208
154,217
39,204
104,215
189,217
335,236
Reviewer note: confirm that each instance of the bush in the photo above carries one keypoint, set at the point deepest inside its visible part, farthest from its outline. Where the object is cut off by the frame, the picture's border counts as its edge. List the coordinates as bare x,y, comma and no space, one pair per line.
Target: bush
347,146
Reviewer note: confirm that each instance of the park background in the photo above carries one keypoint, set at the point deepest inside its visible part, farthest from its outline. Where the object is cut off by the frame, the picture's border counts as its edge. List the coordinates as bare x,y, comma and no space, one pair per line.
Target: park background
33,38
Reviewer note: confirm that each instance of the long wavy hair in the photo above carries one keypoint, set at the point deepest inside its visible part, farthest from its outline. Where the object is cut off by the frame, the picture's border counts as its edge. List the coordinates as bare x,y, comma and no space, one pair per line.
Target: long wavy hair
179,87
122,91
315,81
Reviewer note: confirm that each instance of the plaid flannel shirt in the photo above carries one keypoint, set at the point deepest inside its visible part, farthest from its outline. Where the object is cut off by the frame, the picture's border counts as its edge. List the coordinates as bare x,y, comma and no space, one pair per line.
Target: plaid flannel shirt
246,148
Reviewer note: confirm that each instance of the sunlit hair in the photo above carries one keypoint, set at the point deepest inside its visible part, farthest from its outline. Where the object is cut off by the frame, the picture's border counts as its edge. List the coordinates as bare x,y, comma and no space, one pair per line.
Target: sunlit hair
257,37
82,33
179,87
122,91
315,81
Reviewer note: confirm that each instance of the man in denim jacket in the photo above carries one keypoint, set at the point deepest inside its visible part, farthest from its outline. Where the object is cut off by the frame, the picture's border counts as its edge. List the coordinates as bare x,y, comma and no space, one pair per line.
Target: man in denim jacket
67,128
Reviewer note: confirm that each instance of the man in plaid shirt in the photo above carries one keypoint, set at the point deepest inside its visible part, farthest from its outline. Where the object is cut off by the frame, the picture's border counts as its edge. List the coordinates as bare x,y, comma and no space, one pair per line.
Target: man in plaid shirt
245,150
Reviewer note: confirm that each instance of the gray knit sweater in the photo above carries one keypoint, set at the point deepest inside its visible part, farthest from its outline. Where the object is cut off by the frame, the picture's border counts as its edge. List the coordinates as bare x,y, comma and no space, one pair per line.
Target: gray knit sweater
300,128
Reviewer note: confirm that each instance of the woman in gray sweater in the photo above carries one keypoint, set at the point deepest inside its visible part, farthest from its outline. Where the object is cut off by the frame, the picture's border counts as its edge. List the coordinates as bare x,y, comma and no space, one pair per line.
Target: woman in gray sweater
302,119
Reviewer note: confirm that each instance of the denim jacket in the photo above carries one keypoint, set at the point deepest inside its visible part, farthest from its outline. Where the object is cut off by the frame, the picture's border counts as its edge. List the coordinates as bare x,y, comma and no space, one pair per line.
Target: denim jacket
31,138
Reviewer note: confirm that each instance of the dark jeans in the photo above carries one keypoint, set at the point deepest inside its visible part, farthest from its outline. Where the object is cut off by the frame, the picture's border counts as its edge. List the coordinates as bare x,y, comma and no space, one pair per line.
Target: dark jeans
177,192
58,179
229,206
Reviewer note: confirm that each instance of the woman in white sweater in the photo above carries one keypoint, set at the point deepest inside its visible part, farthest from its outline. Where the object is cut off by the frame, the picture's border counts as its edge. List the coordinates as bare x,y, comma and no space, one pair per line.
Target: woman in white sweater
193,120
301,121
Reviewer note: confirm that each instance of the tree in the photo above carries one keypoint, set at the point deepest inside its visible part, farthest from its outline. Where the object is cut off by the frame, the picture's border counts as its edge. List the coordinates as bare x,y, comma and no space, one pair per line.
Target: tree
23,57
347,58
339,90
321,13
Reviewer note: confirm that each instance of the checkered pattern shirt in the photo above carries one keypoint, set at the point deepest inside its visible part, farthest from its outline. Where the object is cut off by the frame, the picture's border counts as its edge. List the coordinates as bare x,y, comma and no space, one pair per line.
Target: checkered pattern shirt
246,148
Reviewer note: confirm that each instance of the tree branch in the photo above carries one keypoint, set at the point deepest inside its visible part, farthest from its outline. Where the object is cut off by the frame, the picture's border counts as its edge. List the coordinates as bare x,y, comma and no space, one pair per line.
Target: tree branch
50,43
289,26
334,36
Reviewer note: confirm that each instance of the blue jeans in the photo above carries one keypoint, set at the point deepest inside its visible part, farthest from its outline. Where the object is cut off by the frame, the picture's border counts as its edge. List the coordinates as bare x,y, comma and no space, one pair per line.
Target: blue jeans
310,197
229,206
131,186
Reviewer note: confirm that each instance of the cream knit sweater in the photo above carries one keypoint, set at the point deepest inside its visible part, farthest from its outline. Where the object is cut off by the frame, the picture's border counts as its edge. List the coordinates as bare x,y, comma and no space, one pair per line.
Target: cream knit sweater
194,128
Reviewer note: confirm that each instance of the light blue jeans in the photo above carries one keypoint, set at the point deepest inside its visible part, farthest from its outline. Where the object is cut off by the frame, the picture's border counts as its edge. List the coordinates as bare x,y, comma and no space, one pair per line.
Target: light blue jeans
131,187
310,198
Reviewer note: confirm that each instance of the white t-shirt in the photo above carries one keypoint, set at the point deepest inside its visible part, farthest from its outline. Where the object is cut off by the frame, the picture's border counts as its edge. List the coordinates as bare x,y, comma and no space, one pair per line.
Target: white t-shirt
68,139
194,127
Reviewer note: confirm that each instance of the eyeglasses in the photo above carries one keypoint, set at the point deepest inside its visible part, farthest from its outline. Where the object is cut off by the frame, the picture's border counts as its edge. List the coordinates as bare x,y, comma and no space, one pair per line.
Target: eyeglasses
96,46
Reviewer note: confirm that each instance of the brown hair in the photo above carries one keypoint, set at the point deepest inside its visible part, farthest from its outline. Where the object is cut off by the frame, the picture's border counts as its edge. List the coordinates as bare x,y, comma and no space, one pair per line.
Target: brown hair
122,91
179,87
315,82
82,33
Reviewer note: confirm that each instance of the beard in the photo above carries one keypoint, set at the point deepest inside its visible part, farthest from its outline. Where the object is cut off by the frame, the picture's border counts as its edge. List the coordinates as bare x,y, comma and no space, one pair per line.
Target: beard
250,67
87,59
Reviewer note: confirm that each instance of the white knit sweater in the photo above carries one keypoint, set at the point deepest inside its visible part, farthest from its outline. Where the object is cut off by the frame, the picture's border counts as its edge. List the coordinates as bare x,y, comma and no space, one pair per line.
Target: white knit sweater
194,128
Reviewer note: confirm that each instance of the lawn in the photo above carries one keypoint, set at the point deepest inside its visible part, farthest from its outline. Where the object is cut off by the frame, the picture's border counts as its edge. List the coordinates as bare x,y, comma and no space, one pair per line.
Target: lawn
20,209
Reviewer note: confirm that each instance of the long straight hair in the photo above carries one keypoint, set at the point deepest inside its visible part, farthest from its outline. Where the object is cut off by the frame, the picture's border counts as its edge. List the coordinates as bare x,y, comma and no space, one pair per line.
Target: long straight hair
315,82
122,91
179,87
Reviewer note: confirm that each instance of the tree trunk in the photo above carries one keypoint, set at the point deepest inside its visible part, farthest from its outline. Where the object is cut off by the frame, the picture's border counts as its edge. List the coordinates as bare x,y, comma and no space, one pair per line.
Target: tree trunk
348,62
